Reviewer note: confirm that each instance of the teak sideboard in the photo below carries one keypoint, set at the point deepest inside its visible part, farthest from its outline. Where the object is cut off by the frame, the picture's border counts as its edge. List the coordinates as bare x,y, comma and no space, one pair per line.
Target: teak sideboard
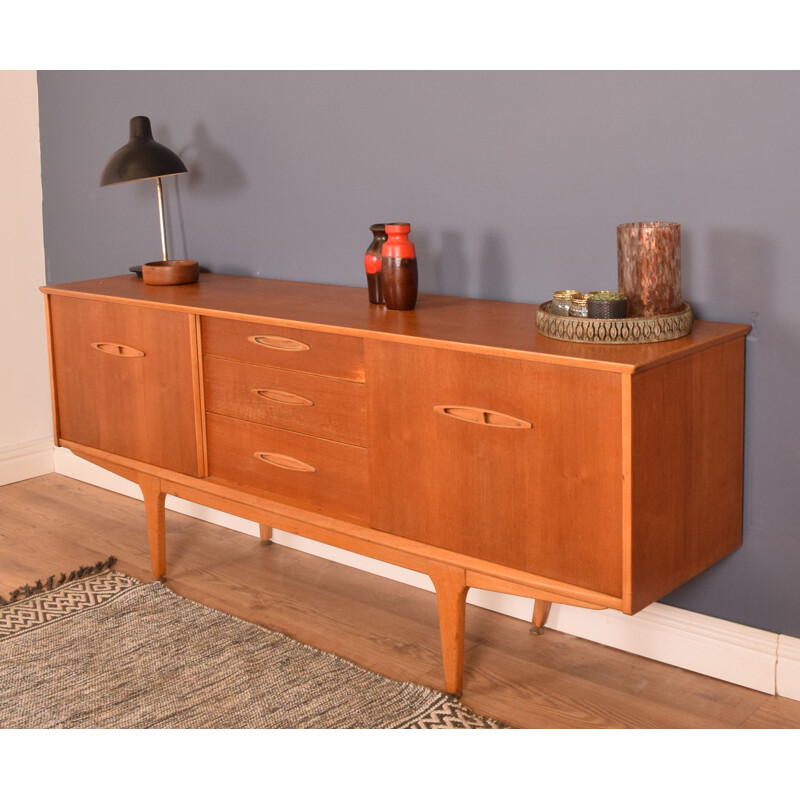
451,440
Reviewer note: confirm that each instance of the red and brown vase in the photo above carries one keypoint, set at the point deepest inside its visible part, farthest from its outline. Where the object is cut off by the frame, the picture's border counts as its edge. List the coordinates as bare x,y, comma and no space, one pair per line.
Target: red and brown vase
399,268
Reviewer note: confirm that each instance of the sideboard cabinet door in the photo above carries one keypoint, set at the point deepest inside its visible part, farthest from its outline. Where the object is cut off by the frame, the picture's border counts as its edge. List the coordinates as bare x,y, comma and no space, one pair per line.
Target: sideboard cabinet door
124,381
502,459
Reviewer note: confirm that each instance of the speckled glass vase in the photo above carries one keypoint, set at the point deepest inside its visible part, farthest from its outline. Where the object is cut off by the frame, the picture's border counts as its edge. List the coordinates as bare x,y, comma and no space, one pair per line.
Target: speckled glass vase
649,267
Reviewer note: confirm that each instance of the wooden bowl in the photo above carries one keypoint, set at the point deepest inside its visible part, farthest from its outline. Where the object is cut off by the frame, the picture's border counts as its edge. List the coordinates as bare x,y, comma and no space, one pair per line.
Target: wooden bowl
170,273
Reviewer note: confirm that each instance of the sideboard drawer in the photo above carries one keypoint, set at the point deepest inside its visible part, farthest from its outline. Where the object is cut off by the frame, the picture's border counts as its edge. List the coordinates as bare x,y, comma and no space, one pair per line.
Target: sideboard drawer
324,407
327,475
286,348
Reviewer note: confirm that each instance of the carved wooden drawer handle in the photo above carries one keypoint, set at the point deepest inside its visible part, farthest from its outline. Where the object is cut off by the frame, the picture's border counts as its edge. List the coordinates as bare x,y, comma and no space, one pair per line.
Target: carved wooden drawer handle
285,462
112,349
279,343
280,396
483,416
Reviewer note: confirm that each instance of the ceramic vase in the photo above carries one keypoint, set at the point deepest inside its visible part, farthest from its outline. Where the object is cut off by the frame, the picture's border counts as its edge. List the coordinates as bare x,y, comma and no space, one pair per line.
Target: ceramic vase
372,263
399,268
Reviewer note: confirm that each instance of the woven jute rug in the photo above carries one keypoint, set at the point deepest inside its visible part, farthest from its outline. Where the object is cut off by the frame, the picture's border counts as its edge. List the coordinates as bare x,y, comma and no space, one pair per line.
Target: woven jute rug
103,650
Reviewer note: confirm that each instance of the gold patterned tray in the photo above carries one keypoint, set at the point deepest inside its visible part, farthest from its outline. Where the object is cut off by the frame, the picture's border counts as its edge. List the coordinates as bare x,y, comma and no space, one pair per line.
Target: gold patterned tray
629,330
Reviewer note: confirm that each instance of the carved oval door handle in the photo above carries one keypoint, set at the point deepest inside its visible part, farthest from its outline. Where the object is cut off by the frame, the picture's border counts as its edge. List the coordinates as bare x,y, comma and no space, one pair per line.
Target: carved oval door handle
279,343
483,416
113,349
285,462
280,396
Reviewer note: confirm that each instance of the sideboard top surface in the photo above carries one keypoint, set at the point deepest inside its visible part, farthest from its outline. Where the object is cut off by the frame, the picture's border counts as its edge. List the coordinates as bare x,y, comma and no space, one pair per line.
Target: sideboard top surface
487,326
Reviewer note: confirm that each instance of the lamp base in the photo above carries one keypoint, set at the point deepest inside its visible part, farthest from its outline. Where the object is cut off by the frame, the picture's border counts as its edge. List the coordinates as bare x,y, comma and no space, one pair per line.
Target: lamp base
137,270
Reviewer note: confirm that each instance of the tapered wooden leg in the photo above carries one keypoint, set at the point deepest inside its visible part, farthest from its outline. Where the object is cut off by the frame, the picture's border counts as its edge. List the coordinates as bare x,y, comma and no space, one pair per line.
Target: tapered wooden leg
156,531
541,608
265,531
451,595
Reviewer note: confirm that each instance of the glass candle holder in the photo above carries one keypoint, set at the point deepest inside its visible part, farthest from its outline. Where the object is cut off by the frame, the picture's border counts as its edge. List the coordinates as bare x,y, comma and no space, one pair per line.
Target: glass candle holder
649,267
578,306
561,301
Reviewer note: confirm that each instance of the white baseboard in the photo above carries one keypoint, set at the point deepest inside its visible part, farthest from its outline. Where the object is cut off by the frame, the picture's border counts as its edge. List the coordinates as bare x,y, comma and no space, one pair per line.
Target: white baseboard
725,650
18,462
787,674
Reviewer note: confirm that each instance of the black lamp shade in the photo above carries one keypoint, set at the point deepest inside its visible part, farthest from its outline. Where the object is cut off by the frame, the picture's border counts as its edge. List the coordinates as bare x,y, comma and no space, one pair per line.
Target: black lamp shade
141,158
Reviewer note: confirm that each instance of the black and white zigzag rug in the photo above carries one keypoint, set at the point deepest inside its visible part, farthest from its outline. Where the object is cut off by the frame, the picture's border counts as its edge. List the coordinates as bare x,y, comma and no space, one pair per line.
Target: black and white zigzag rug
98,649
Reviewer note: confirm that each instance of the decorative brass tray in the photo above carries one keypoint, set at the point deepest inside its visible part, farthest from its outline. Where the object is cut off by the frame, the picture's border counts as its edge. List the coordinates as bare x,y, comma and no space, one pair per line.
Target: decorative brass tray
628,330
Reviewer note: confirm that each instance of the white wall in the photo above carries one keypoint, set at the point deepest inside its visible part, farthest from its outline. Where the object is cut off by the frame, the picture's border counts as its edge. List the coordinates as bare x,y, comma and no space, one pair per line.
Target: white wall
26,447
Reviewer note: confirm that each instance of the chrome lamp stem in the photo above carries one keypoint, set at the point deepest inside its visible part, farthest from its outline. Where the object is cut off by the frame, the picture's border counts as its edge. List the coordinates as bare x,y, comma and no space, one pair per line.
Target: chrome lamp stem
161,220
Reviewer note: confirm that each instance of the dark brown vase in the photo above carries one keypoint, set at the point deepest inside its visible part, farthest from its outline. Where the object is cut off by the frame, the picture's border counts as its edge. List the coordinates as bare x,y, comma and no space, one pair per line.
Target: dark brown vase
372,263
399,268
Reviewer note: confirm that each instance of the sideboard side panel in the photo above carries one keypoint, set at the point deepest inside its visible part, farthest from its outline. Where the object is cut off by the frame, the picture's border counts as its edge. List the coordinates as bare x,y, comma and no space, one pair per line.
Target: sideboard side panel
687,464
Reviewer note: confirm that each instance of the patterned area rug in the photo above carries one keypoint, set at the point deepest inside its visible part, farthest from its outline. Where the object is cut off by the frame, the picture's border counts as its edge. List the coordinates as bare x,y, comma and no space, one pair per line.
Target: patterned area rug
106,651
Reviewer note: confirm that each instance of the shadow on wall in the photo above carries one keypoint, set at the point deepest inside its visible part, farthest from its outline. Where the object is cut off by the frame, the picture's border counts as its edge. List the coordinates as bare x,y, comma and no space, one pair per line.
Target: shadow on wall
495,269
209,167
742,272
449,269
745,284
448,265
741,269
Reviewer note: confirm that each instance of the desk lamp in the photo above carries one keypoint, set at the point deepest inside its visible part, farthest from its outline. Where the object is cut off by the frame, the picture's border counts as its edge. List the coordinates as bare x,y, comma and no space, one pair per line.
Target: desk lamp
140,159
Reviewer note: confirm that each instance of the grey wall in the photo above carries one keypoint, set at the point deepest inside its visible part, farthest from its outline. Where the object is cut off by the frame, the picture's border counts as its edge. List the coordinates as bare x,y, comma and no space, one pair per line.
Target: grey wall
514,184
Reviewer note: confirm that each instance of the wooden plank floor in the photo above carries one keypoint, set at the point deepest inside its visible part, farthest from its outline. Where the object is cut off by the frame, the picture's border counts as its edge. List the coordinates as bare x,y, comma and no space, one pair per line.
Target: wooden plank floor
53,524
